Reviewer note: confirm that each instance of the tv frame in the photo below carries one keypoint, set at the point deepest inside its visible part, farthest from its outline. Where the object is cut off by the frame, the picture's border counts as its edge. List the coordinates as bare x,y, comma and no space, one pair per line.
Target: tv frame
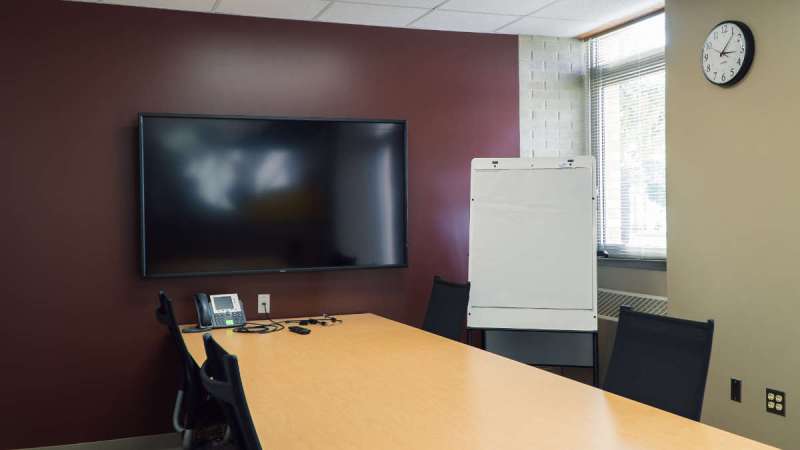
142,235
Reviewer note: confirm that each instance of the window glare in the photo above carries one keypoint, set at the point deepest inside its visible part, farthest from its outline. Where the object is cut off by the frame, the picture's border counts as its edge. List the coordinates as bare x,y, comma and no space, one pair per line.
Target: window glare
645,36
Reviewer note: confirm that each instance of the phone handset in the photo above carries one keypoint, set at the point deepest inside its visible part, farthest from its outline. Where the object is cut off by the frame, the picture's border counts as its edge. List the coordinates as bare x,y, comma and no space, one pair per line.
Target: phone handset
203,306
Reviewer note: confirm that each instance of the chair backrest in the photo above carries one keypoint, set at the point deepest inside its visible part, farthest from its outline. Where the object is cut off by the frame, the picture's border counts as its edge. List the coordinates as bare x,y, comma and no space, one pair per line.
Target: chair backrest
447,309
661,361
193,394
222,380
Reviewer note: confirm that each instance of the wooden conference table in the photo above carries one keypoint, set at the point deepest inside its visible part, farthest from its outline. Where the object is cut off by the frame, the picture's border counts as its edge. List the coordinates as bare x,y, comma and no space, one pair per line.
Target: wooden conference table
372,383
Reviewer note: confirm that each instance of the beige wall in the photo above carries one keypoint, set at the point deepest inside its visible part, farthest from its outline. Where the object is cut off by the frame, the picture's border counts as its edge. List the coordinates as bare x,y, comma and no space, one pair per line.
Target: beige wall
733,188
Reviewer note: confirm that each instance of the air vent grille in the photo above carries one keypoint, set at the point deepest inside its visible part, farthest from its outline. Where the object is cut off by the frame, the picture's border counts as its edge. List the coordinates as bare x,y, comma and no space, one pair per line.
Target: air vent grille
609,301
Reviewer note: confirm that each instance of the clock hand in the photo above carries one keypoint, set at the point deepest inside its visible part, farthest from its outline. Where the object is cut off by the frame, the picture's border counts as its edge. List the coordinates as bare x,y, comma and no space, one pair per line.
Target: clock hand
723,53
726,53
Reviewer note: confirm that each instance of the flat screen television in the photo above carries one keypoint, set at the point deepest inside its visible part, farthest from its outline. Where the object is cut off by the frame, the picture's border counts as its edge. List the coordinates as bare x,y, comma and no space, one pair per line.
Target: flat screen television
232,195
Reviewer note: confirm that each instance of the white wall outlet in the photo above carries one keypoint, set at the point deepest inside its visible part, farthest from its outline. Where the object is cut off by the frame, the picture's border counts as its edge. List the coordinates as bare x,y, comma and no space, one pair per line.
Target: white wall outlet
263,303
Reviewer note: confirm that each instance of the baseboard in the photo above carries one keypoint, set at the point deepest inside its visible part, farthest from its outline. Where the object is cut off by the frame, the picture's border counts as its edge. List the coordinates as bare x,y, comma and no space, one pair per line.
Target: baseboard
168,441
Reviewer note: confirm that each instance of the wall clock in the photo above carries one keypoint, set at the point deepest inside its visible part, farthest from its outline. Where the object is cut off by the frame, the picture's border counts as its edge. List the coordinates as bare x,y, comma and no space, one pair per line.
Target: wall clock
728,53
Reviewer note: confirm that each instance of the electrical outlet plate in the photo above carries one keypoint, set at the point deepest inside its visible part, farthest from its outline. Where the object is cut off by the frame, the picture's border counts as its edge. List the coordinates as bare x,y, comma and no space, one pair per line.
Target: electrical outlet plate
736,390
263,303
776,402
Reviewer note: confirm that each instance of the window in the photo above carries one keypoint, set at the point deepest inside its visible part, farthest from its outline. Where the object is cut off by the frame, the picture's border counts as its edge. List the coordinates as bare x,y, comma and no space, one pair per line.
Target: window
626,86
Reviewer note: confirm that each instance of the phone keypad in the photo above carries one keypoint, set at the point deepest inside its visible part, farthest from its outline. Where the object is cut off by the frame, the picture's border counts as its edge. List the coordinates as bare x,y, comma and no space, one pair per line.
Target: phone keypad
230,319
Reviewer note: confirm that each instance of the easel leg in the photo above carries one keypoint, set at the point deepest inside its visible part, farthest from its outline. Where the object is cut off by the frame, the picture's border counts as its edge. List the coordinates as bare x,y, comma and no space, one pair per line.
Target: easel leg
595,362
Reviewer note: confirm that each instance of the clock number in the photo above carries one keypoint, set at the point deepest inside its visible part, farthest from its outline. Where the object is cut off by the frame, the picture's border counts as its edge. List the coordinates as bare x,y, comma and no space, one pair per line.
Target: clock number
723,77
708,67
715,75
725,28
708,45
716,35
739,61
732,71
705,56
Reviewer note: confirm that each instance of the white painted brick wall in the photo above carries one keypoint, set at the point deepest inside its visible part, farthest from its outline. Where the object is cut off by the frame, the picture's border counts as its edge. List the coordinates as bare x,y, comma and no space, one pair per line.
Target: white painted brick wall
552,111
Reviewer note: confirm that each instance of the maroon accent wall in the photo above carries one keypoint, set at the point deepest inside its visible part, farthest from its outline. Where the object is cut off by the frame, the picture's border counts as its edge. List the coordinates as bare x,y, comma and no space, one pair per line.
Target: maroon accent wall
83,358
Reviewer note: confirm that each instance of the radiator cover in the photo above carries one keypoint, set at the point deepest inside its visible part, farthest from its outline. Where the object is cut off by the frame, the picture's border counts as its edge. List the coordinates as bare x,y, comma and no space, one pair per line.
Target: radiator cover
609,301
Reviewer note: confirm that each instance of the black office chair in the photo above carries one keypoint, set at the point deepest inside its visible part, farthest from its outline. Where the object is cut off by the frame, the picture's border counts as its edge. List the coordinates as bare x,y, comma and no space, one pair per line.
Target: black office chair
193,407
447,309
221,378
661,361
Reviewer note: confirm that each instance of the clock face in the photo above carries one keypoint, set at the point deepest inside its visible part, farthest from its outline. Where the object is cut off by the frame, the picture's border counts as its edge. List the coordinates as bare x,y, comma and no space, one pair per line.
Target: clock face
728,53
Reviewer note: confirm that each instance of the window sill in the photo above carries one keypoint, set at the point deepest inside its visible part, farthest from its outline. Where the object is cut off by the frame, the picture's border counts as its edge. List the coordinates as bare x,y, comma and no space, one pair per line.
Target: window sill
641,264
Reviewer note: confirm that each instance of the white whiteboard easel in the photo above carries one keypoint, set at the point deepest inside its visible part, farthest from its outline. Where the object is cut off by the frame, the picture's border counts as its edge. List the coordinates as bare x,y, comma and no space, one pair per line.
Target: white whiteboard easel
532,245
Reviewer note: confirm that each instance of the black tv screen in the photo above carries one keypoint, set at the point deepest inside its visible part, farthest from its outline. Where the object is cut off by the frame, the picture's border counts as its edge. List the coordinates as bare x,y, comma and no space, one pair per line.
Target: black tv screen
252,194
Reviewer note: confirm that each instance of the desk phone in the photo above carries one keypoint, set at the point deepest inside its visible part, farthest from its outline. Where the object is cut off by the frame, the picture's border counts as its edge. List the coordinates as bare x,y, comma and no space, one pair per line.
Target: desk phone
219,311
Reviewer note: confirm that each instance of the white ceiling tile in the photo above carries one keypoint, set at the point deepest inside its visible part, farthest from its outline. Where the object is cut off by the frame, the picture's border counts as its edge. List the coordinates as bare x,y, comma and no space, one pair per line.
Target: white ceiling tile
547,17
409,3
538,26
511,7
462,21
596,10
183,5
363,14
279,9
